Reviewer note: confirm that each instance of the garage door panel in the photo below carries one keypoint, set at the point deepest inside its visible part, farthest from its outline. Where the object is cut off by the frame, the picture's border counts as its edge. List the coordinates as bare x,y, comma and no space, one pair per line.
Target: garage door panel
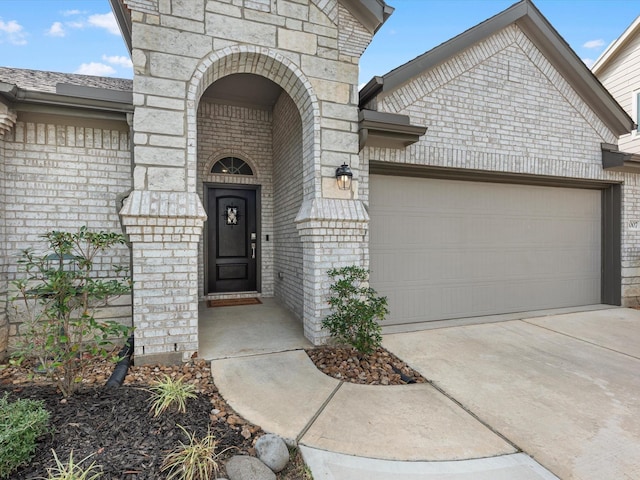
448,249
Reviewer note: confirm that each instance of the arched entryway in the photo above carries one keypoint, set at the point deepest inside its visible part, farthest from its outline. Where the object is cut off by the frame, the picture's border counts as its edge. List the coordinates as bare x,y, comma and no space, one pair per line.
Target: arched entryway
256,110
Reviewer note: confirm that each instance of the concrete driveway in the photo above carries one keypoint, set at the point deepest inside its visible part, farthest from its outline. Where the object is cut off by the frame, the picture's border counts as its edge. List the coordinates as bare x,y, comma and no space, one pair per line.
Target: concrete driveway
564,389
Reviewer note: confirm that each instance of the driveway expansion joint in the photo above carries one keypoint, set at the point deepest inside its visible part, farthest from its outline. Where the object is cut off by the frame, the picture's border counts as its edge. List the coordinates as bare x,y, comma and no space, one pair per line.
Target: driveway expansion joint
475,416
584,340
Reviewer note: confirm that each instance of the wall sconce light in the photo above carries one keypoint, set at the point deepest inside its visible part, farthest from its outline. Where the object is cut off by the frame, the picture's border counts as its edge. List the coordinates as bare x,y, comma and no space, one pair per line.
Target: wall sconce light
343,177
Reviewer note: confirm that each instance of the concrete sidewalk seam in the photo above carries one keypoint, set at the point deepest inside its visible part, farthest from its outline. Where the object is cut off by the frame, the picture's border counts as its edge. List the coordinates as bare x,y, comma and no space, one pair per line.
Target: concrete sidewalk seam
312,420
476,417
580,339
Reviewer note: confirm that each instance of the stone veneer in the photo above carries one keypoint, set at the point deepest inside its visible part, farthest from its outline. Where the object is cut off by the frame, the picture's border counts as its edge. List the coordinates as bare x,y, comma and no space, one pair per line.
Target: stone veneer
311,50
500,106
4,260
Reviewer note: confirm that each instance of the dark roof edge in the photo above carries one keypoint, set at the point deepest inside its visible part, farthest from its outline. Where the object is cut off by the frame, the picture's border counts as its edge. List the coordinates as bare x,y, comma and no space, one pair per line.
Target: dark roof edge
109,100
457,44
388,130
542,33
617,161
124,21
371,13
370,90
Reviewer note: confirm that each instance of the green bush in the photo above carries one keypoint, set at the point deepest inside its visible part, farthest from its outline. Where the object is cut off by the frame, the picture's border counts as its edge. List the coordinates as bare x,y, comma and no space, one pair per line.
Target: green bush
356,309
60,293
21,423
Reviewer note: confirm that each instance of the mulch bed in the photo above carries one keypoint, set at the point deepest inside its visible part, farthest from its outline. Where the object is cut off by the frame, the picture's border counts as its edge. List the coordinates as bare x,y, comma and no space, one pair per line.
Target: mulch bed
115,428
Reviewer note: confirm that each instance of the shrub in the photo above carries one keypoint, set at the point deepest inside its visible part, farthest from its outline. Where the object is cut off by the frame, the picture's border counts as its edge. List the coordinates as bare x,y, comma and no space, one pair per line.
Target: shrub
168,392
356,310
73,471
61,292
21,423
195,460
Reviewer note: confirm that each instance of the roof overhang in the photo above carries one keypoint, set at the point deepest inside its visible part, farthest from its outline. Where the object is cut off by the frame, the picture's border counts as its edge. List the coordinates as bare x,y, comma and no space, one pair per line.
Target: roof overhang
616,161
71,96
387,130
615,46
543,35
123,17
370,13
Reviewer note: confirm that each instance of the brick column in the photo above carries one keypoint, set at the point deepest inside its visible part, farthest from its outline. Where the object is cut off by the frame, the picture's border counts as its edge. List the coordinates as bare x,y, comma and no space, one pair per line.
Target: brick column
164,229
334,234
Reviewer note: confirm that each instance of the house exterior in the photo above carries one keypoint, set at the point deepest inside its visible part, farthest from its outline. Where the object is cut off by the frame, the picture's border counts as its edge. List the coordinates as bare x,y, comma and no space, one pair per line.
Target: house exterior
618,68
487,178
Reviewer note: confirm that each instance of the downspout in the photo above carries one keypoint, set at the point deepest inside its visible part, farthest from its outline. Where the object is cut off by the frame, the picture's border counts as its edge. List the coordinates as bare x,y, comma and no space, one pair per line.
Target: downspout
122,367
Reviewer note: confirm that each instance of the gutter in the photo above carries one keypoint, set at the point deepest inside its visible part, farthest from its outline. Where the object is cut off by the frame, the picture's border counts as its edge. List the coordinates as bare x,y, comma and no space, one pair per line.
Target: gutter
72,96
387,130
616,161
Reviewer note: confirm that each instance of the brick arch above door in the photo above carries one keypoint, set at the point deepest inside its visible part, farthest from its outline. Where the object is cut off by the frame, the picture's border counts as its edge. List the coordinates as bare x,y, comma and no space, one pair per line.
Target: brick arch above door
277,68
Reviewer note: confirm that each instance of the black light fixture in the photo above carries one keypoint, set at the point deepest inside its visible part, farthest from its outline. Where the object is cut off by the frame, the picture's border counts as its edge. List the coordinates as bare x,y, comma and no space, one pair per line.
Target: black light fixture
343,177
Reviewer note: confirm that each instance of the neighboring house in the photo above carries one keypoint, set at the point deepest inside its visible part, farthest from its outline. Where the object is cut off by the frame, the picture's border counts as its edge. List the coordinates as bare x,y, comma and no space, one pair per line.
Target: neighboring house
479,180
618,68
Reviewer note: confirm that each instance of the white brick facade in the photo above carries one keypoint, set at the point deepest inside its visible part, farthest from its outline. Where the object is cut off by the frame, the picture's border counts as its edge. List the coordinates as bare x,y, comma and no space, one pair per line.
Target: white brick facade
61,175
222,132
500,106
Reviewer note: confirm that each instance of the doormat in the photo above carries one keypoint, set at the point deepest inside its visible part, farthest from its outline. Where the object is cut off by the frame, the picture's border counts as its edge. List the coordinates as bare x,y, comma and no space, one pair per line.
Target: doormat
232,302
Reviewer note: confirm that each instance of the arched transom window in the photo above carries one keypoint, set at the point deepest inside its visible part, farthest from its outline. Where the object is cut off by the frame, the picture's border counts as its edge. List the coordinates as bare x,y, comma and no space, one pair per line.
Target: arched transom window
232,166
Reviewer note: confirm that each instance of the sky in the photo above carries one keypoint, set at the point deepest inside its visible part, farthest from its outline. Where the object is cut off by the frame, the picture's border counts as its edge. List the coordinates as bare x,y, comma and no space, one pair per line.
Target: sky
81,36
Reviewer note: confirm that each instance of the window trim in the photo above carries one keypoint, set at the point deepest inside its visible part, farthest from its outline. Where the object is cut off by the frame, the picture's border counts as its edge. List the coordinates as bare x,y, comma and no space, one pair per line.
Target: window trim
237,172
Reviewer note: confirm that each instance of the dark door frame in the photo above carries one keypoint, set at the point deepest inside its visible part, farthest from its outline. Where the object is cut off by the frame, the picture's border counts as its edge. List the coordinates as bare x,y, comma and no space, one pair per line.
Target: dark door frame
232,186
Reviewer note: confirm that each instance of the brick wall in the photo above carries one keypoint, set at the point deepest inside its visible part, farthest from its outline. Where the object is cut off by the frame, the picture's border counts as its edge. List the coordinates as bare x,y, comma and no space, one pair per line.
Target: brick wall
61,175
243,132
4,260
182,48
287,174
500,106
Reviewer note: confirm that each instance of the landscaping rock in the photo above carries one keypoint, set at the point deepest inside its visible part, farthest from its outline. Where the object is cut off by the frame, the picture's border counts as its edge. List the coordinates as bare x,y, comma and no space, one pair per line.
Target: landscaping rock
243,467
272,451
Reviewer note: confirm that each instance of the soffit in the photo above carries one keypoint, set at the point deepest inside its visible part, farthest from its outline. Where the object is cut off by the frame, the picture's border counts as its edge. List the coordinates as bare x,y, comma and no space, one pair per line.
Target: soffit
244,89
371,13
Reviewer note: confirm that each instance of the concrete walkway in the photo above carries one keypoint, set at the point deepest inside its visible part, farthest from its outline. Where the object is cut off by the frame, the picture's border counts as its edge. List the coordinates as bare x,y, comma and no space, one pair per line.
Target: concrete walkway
562,389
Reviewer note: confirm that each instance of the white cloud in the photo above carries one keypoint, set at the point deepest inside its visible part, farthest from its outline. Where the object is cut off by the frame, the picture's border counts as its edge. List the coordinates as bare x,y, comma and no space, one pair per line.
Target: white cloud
69,13
12,32
588,62
75,24
594,43
118,60
56,30
94,68
106,21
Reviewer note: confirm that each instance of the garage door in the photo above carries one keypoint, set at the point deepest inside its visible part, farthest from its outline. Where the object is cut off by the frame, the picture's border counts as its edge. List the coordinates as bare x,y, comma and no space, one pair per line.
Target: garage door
443,249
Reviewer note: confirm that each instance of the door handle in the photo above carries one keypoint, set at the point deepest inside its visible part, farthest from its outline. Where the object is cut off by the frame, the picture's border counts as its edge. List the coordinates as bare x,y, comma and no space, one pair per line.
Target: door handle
253,250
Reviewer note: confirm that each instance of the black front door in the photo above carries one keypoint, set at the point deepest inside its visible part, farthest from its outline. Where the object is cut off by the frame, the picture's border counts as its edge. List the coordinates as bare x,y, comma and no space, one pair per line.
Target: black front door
233,240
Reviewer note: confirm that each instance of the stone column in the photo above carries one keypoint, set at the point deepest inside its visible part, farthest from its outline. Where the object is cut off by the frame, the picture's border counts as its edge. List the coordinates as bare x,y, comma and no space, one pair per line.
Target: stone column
164,229
334,234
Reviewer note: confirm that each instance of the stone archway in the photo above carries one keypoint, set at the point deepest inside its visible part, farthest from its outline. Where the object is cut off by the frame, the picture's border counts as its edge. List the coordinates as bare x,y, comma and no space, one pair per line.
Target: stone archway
280,70
285,259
